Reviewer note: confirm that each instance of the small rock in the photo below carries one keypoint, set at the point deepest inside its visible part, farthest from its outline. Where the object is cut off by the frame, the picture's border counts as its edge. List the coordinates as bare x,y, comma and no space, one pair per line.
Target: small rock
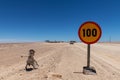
113,74
55,76
45,76
1,78
20,74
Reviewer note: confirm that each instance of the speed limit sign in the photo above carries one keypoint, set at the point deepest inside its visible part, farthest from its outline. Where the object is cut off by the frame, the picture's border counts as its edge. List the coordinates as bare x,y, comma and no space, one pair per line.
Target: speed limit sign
89,32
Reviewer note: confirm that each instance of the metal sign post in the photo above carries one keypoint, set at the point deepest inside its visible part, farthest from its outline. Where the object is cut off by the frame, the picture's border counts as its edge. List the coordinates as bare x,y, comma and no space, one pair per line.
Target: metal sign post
88,56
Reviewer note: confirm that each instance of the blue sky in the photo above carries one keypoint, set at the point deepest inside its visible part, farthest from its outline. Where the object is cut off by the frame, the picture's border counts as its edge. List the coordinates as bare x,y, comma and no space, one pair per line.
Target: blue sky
39,20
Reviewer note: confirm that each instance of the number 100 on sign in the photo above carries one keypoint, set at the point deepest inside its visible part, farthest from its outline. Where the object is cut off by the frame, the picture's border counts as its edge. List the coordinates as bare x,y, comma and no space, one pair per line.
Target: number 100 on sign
89,32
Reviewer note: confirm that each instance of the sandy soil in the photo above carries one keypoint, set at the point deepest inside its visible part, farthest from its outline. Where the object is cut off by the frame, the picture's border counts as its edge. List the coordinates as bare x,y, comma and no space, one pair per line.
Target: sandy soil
60,61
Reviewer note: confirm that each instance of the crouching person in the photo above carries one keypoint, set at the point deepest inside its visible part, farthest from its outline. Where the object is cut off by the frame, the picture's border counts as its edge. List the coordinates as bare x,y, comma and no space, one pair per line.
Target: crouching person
31,61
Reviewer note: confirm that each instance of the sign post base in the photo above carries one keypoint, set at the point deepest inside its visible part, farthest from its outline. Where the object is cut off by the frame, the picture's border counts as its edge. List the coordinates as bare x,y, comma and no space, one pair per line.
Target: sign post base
89,70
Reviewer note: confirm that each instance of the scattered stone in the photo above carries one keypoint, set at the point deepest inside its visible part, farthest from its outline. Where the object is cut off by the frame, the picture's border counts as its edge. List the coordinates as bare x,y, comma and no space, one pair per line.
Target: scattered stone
54,76
45,76
41,65
20,74
113,74
57,75
1,78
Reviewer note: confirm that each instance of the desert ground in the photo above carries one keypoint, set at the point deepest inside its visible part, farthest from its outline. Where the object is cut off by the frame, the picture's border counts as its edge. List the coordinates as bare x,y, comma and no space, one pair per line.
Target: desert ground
59,61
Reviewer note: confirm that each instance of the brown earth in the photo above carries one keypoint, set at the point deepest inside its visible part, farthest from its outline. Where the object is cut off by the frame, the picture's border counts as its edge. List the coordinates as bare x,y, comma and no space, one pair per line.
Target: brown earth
60,61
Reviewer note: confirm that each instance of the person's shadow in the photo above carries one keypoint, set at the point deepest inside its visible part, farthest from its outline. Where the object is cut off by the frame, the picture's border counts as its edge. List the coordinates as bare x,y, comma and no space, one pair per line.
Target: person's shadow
29,69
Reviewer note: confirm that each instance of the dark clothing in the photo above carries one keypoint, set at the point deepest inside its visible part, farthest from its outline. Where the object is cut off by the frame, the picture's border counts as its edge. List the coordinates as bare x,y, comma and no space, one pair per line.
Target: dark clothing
30,60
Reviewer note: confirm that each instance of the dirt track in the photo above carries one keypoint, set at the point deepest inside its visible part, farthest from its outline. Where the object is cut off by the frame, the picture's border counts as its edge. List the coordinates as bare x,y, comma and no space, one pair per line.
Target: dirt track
60,61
